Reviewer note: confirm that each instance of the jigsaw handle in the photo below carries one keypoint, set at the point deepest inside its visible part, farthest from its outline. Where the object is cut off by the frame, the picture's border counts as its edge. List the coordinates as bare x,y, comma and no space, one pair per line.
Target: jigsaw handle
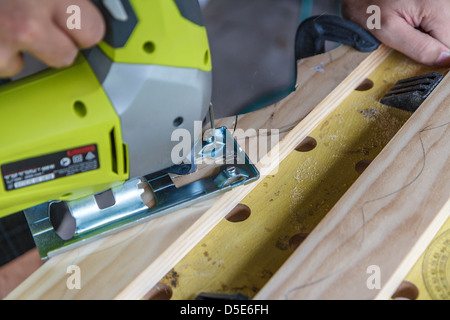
155,32
313,32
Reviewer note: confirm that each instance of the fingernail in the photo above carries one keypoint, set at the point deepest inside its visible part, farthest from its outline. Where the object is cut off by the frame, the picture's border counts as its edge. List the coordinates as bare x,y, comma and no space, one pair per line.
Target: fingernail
444,59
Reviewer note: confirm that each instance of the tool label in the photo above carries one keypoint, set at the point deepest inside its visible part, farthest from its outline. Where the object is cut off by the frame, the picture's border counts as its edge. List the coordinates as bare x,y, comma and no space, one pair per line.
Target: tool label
49,167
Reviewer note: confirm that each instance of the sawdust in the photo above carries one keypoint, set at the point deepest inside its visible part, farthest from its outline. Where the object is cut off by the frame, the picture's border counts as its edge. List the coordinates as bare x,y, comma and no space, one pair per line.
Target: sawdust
173,278
369,113
382,119
305,173
282,243
245,290
207,267
265,274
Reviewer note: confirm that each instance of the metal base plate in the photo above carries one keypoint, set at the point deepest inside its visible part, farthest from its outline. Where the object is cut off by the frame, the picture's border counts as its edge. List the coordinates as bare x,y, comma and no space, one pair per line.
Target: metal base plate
93,221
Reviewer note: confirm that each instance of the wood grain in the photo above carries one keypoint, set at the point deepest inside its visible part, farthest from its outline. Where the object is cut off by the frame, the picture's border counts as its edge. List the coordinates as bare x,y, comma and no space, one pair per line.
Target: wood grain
385,220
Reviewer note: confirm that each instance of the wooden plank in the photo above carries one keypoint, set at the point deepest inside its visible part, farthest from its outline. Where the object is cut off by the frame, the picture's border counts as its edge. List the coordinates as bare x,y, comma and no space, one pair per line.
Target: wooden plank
384,222
105,264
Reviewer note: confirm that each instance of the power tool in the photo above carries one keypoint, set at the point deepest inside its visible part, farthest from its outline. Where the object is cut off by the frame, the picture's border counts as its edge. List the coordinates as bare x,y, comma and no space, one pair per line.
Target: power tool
71,138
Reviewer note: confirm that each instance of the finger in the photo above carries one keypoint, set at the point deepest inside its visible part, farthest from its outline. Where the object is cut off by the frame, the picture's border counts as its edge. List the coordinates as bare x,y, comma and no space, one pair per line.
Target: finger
10,63
51,46
420,46
435,19
91,22
439,28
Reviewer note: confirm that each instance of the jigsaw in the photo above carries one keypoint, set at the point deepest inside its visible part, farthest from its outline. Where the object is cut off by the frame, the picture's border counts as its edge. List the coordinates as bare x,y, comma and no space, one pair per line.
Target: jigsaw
85,142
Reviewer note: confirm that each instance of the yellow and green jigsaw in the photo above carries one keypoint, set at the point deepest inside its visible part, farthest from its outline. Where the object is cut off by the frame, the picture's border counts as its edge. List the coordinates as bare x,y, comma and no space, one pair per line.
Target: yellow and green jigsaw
81,139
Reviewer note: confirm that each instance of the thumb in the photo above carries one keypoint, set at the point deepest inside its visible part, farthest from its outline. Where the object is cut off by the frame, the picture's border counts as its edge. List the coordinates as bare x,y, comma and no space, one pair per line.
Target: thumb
418,45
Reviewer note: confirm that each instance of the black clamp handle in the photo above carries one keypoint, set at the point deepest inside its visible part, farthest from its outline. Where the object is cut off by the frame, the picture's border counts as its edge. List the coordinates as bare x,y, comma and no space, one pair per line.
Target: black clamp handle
313,32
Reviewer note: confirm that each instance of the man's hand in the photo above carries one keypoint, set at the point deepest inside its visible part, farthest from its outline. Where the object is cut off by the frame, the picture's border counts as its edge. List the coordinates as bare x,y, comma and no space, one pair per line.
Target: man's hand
418,28
39,27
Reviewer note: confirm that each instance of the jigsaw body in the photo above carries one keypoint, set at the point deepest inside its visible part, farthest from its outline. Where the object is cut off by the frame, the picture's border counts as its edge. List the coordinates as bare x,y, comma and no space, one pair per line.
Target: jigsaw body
109,117
79,146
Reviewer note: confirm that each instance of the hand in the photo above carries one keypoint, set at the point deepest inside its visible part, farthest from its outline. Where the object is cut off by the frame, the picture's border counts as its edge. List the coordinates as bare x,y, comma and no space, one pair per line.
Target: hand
418,28
39,27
